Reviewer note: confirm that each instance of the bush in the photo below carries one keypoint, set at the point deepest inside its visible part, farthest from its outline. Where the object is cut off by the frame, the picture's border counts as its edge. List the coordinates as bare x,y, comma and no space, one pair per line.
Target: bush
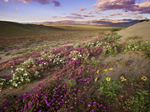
115,29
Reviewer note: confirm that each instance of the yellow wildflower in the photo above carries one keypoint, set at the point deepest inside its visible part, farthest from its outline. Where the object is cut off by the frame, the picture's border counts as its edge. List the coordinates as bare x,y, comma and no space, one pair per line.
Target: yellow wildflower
108,78
96,79
110,69
144,78
122,77
97,71
105,70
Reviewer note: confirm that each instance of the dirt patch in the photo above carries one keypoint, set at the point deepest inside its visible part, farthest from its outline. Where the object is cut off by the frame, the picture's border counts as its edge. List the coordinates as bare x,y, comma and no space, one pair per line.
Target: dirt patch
4,73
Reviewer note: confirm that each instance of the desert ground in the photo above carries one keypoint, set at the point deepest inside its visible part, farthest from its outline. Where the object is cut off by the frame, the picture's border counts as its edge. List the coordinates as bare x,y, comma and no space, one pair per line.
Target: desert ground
75,68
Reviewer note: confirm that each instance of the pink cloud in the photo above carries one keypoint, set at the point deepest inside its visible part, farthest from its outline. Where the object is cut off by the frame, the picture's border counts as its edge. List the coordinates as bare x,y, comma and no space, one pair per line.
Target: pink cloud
126,5
138,16
5,1
57,4
125,15
133,15
71,17
97,12
89,12
81,9
80,15
75,14
16,8
88,15
115,14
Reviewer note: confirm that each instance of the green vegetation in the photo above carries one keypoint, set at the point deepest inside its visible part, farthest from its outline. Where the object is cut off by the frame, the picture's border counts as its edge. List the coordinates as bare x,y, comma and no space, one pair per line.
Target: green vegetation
82,27
146,19
134,37
7,53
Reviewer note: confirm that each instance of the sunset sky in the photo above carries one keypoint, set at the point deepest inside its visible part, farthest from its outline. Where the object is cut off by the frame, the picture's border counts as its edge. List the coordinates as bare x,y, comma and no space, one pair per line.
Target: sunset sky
77,10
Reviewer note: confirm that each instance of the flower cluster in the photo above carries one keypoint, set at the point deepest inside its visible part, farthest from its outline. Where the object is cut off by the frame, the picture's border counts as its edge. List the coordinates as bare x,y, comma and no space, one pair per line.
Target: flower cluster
79,44
22,73
75,55
123,79
58,60
137,47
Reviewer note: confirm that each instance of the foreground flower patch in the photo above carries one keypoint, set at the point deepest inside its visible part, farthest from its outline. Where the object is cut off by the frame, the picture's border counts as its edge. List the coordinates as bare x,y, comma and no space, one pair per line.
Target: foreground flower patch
78,84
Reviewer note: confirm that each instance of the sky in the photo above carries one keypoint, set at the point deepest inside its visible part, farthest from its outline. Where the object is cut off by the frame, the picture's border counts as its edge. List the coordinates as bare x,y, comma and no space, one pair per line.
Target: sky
76,10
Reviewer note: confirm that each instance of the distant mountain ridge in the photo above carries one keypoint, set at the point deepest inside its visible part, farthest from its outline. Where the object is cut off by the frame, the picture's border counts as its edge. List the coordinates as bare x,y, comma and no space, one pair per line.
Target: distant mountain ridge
91,22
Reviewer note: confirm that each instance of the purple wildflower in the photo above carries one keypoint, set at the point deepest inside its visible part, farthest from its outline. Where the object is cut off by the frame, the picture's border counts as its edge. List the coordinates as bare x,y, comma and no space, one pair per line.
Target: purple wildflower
89,105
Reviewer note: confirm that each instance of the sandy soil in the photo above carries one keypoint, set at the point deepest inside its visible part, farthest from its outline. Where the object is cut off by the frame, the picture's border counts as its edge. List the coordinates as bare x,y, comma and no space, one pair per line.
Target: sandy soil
138,66
141,29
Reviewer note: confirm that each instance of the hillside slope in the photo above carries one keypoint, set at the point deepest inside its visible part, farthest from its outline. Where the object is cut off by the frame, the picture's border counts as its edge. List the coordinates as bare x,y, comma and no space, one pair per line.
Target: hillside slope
11,29
138,31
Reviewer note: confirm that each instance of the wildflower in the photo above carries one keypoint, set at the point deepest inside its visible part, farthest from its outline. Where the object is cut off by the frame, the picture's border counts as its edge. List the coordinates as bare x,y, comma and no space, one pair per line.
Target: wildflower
97,71
121,77
110,69
144,78
96,79
108,78
93,110
123,80
122,96
105,70
1,83
89,105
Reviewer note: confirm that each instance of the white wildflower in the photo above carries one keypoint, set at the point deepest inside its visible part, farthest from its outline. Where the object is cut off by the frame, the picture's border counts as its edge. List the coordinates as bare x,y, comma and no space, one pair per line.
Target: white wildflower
1,83
21,80
10,80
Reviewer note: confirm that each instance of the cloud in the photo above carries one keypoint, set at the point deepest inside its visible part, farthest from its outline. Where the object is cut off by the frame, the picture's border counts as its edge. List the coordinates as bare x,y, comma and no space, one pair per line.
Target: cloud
5,1
125,15
81,9
126,5
105,16
142,7
85,15
80,15
75,14
16,8
89,12
137,16
97,12
71,17
115,14
54,16
57,4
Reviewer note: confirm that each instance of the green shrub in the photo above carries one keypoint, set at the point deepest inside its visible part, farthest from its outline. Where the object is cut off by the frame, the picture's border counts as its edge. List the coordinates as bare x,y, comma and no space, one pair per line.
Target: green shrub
71,83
